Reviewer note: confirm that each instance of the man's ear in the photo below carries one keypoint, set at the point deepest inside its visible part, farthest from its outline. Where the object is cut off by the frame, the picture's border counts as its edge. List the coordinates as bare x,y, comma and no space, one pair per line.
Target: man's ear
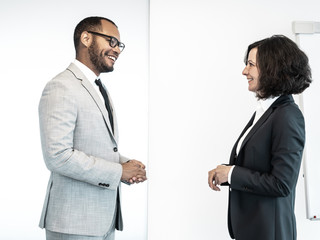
86,39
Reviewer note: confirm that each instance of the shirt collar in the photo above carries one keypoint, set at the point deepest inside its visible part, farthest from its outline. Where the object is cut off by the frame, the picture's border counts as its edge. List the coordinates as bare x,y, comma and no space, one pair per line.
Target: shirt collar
90,75
264,104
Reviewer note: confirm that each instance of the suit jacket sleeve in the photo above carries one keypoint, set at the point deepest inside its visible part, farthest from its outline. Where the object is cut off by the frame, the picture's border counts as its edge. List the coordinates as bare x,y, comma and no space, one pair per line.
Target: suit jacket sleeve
123,159
285,145
58,112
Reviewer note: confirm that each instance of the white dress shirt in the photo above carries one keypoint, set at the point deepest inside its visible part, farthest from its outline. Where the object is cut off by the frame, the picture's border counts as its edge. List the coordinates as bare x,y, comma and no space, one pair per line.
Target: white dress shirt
90,75
262,106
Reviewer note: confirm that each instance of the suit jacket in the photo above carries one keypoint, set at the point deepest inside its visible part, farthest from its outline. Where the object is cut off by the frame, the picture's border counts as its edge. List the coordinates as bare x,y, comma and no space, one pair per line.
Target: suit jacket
81,152
262,190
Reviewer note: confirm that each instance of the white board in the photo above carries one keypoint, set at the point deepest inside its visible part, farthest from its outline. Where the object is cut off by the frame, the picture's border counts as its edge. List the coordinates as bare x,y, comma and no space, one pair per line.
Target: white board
308,38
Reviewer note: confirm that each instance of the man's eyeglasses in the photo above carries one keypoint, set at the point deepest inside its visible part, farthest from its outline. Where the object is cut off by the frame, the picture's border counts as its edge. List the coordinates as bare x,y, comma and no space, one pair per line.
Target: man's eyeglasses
113,42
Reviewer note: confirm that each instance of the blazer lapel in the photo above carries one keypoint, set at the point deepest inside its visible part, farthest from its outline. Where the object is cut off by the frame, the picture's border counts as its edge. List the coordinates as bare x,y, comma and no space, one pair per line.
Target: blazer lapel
234,149
258,124
281,100
88,86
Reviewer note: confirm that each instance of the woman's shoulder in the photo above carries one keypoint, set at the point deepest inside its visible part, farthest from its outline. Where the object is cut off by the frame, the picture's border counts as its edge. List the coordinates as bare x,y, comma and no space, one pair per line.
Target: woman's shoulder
287,114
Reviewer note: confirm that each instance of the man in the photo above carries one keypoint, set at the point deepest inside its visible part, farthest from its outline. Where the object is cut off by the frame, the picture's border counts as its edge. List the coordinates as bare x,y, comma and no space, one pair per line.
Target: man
79,137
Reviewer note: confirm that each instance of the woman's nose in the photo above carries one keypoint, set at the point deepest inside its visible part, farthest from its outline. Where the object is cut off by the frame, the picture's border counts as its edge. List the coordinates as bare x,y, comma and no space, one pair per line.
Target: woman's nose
245,71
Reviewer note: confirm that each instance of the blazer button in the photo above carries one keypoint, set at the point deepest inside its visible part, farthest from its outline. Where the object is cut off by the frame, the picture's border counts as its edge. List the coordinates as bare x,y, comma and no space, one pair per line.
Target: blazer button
105,185
115,149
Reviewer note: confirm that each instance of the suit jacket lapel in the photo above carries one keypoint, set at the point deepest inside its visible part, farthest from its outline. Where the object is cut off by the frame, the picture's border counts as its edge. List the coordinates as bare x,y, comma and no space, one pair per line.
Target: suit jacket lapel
234,149
258,124
281,100
88,86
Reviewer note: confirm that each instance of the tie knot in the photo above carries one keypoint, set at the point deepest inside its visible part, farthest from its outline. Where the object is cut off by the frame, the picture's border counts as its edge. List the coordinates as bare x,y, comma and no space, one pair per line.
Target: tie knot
98,82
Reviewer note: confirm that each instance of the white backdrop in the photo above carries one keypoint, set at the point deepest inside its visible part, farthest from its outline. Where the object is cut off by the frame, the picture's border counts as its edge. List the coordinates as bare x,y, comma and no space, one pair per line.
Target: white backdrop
199,104
36,44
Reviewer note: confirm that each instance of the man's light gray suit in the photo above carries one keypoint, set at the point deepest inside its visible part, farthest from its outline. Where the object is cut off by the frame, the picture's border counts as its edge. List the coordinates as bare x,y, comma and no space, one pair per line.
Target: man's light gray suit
80,150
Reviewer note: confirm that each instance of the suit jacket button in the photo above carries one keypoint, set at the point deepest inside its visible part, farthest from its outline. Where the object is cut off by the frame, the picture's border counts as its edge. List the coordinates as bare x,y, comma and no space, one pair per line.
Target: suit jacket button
115,149
107,185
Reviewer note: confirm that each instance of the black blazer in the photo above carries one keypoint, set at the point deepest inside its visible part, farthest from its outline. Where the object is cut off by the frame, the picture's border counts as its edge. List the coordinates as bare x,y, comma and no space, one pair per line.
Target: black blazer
263,182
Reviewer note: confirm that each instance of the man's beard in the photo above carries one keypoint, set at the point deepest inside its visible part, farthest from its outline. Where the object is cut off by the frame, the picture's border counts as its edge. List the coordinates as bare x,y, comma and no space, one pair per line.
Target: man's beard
97,58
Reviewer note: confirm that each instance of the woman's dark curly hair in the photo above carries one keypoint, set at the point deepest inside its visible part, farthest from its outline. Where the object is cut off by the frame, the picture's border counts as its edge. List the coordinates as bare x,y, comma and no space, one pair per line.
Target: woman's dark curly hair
283,68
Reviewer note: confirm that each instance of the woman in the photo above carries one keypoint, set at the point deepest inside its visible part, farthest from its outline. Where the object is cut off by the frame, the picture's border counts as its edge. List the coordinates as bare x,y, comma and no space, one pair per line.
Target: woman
266,158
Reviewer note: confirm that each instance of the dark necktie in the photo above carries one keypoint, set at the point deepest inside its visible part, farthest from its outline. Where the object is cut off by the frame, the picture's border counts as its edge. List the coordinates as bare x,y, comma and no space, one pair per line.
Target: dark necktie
106,102
118,223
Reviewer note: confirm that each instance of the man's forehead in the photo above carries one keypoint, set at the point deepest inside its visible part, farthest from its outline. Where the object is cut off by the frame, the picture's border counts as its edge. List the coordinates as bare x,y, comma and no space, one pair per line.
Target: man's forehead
109,28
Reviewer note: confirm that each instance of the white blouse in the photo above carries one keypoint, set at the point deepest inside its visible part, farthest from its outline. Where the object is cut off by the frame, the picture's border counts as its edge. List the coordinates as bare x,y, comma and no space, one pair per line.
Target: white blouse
262,107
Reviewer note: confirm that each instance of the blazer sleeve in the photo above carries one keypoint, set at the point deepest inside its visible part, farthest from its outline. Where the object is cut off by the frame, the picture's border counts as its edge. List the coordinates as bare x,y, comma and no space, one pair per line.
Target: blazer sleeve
123,159
286,148
58,120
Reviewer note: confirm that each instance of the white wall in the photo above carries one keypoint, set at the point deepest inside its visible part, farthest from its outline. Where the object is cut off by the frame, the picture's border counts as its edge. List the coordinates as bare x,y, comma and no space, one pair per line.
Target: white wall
199,104
36,44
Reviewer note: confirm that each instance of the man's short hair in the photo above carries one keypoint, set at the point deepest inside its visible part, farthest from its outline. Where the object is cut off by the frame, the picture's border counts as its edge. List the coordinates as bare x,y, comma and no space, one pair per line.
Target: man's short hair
88,24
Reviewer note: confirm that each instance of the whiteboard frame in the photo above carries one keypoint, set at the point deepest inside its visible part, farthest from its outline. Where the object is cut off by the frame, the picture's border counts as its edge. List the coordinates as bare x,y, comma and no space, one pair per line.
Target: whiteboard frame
300,28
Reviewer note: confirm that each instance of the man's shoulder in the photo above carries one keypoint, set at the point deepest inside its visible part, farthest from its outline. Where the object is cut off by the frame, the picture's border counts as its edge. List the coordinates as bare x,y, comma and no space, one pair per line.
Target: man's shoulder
64,81
67,76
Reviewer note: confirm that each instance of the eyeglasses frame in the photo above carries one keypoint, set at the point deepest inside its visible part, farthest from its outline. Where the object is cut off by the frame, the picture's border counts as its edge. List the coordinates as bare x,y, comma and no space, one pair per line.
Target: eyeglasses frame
119,44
